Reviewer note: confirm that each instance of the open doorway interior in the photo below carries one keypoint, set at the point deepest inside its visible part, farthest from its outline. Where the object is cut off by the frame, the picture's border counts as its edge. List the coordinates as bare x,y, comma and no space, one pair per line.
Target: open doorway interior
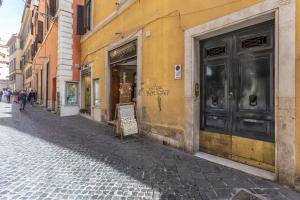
123,84
87,92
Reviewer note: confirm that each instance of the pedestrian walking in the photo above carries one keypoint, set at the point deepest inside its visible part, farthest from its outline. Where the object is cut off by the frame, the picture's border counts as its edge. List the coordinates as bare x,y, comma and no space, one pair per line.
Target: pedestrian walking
8,93
22,99
31,97
35,96
1,94
16,94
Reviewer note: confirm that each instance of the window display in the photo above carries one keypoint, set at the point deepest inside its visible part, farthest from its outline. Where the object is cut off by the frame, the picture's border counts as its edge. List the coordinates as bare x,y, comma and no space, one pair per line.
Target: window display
71,93
96,92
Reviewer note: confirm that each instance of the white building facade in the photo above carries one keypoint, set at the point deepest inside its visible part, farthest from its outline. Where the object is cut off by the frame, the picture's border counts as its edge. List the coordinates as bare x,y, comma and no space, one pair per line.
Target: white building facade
4,60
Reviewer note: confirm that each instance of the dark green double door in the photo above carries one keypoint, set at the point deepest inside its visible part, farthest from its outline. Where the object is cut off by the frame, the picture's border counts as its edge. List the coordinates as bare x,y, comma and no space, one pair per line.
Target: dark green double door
237,83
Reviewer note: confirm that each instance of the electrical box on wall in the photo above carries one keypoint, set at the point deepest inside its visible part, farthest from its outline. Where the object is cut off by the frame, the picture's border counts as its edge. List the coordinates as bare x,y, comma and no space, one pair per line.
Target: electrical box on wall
177,72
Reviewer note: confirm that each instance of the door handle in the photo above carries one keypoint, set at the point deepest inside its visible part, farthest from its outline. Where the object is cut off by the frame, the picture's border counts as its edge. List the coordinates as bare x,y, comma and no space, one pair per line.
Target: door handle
230,95
253,100
197,89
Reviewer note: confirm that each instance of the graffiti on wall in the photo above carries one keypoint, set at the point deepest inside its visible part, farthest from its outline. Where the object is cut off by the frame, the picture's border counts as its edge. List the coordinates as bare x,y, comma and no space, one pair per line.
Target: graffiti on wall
157,90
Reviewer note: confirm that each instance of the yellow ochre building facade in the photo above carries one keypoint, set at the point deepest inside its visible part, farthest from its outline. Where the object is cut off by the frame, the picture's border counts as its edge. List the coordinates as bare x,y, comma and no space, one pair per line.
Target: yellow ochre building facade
214,78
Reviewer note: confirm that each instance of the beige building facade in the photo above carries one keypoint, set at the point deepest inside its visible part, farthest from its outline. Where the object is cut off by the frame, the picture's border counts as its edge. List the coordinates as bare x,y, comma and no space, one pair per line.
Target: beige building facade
4,60
27,48
15,70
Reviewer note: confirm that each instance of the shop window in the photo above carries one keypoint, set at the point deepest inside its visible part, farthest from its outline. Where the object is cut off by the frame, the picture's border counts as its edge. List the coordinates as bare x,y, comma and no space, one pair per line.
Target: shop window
96,92
71,93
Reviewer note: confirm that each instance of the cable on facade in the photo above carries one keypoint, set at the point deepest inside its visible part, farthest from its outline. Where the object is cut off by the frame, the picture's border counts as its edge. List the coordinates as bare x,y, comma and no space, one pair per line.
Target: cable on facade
51,18
175,13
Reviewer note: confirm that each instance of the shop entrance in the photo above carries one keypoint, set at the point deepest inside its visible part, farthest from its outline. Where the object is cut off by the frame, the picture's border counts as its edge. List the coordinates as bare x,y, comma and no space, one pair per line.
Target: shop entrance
86,89
123,85
123,70
237,96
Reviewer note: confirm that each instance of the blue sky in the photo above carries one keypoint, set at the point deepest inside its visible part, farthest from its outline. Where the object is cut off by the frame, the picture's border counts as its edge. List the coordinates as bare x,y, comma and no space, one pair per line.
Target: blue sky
10,17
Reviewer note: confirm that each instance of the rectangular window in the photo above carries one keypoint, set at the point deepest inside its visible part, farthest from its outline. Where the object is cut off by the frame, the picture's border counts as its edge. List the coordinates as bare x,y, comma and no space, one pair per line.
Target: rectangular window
28,72
88,12
84,17
96,92
71,93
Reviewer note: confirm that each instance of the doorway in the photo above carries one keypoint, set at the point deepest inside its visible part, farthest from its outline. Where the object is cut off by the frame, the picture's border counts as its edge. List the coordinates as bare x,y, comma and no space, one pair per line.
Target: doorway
237,96
54,89
87,92
122,76
47,84
85,74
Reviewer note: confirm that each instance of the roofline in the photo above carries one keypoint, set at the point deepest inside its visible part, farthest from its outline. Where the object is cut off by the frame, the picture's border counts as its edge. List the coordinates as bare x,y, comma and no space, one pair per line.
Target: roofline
4,46
23,16
15,35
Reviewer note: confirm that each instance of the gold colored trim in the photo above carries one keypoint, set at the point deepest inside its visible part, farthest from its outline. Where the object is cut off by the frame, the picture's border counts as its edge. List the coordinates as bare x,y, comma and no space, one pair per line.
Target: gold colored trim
252,152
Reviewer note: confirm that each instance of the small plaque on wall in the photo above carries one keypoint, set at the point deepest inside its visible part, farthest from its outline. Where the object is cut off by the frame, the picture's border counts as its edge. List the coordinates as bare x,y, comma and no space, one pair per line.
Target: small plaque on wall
177,71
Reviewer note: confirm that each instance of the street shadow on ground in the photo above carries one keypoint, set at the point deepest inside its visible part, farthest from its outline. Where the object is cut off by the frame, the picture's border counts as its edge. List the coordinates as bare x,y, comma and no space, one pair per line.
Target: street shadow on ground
175,174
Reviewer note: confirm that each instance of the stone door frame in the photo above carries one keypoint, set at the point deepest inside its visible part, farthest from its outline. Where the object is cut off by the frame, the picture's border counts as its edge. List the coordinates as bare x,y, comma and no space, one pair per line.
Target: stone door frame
139,73
284,12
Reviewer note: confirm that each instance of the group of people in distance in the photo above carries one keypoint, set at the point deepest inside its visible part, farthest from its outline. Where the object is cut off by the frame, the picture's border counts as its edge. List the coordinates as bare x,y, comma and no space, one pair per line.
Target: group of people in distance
6,93
21,97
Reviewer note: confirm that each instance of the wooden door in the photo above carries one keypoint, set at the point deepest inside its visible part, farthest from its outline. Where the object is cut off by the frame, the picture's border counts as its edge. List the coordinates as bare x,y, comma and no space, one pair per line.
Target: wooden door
114,92
237,95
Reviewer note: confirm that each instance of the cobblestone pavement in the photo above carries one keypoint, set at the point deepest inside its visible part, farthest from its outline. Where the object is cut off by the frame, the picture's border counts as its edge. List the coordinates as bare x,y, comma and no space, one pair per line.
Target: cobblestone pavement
43,156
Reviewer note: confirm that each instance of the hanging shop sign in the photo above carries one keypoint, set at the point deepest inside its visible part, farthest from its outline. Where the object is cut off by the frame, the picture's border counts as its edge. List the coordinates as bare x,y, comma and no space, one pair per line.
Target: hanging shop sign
122,53
126,121
86,71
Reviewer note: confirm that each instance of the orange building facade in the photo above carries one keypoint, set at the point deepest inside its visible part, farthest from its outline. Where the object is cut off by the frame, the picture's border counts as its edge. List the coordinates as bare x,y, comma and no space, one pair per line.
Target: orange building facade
56,51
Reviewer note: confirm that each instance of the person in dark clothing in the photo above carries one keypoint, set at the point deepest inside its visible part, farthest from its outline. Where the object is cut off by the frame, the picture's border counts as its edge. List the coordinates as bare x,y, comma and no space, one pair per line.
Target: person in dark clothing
35,96
22,99
1,94
31,97
16,94
8,95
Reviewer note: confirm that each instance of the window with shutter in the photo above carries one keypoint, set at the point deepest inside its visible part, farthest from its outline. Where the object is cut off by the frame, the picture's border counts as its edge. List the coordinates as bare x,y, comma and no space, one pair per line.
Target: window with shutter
32,51
53,7
80,20
47,15
87,15
35,46
40,32
31,28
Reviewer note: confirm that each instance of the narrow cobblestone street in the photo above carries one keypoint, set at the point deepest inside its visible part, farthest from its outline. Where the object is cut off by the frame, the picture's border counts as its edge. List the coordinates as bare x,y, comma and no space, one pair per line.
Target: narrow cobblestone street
43,156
